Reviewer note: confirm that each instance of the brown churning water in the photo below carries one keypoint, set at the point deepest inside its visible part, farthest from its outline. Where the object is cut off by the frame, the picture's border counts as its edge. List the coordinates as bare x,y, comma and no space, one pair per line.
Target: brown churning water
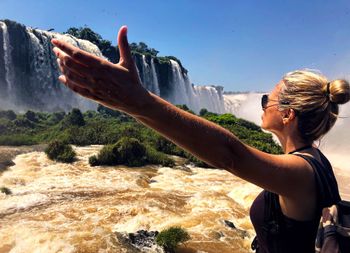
56,207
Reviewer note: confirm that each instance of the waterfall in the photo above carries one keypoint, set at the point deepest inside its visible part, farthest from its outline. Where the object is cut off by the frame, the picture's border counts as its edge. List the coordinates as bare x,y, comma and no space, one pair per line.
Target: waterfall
29,75
211,98
9,76
155,78
30,71
183,94
179,87
149,76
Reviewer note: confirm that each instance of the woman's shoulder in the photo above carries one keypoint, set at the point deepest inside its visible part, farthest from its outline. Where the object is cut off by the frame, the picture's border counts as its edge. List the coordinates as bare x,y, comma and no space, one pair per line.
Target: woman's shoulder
315,157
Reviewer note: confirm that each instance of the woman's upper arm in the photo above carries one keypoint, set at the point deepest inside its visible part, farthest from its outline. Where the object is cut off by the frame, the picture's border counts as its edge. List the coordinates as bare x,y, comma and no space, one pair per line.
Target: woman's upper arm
286,175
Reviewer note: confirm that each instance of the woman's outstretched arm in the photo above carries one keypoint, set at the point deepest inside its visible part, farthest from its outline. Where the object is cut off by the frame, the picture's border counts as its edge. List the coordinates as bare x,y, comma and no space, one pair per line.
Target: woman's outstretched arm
117,86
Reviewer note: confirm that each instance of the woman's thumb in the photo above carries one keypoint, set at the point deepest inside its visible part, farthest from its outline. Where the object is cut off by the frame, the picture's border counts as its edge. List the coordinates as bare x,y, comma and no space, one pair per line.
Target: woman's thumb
124,49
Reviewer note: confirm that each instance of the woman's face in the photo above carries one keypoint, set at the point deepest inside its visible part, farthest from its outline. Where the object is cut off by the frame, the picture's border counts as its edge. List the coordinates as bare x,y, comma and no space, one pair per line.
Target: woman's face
272,117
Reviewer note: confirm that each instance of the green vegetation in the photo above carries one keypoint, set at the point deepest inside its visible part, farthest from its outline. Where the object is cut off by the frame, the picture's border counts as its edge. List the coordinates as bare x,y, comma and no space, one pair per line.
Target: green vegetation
108,127
60,151
131,152
142,48
171,238
111,52
5,190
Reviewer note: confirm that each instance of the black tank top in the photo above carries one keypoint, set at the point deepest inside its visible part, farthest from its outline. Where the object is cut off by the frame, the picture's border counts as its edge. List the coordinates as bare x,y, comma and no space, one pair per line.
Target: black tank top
276,233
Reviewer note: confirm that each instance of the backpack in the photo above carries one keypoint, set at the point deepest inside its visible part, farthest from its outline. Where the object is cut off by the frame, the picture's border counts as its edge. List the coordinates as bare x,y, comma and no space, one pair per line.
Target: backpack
333,235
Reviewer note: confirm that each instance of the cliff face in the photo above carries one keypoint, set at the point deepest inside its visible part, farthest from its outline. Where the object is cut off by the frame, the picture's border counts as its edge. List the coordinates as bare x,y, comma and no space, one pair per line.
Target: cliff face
28,74
29,70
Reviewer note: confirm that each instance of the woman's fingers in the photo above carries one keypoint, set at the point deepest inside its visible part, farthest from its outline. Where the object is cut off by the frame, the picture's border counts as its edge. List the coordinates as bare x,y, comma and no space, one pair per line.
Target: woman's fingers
64,60
78,89
85,77
77,54
90,83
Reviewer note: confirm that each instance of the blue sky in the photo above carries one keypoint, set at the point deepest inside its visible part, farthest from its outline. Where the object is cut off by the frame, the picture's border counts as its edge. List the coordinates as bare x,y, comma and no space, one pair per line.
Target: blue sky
241,45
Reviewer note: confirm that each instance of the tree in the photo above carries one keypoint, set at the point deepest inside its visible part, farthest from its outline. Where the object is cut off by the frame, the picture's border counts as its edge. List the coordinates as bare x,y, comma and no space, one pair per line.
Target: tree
75,118
142,48
105,46
60,151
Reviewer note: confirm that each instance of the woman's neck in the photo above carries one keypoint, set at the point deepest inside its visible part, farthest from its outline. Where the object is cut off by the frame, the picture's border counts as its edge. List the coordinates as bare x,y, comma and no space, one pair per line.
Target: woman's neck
291,143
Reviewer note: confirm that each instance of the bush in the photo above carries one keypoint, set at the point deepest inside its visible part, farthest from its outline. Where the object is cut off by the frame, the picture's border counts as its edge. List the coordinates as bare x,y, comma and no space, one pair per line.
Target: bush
5,190
60,151
10,115
108,155
31,116
56,117
24,123
155,157
75,118
93,161
172,237
130,152
185,108
203,112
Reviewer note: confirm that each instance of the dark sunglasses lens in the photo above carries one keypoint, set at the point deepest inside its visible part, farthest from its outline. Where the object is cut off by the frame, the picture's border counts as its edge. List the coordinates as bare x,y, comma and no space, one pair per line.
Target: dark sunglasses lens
264,100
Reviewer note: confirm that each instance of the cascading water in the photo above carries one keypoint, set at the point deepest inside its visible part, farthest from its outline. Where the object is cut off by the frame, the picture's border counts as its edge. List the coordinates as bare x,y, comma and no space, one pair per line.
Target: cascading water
31,71
7,49
149,76
210,98
155,78
195,97
183,94
28,75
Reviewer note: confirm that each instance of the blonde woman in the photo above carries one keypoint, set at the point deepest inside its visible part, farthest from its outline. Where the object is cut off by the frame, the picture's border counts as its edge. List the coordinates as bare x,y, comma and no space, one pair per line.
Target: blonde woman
301,108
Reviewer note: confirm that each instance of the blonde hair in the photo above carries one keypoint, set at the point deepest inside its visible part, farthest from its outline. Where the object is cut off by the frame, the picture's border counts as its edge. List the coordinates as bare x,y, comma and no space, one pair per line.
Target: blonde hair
315,101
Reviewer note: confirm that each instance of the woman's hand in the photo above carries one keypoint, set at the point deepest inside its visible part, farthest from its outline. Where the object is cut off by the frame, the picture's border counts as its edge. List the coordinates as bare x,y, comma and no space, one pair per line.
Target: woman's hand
116,86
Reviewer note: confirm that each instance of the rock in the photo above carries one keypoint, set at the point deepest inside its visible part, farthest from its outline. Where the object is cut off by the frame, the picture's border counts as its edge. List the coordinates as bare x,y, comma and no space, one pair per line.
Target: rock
242,233
183,168
230,224
142,240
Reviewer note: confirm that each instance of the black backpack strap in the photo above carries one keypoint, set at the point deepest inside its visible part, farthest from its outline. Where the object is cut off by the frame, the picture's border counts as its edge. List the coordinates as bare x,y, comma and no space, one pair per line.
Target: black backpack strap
326,182
273,220
273,223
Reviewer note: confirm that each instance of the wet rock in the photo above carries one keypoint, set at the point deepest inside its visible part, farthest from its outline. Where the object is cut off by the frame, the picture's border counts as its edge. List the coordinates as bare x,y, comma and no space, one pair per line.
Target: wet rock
242,233
216,235
182,167
141,241
229,224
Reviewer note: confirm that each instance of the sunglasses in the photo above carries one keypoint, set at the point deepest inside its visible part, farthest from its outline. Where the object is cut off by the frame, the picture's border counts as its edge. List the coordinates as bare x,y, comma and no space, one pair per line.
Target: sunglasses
265,99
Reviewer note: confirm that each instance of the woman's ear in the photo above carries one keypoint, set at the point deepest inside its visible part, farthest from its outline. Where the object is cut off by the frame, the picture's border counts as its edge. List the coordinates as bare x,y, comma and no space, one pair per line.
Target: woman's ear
288,115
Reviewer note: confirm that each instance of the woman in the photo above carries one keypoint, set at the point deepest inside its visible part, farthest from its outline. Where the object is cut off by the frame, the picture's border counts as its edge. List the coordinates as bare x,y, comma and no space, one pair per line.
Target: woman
299,110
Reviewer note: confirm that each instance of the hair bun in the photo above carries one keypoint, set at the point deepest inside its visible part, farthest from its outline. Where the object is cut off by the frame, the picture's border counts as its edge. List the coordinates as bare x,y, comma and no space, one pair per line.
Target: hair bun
339,91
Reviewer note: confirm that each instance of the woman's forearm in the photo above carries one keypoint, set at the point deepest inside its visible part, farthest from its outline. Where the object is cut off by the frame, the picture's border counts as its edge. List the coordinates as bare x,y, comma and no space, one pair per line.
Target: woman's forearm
204,139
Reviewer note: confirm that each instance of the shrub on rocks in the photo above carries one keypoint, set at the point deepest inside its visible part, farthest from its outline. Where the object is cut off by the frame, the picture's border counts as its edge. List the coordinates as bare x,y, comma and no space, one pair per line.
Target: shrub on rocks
60,151
5,190
171,238
108,155
130,152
